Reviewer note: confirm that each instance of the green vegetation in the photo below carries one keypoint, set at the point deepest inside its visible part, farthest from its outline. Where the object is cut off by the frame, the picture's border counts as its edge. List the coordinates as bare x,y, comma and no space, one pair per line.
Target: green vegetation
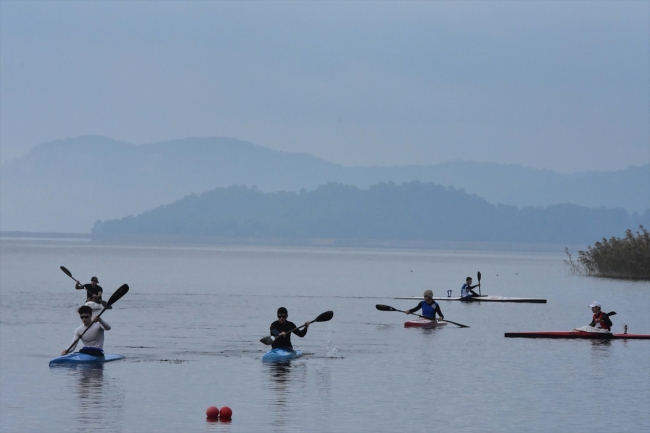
627,257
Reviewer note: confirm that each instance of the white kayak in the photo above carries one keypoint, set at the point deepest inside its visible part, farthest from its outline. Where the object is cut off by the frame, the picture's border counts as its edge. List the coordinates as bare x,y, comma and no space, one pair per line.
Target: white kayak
94,305
484,298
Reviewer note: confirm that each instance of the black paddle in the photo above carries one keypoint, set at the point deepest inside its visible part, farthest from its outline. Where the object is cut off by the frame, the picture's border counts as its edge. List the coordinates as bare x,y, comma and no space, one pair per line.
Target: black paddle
124,288
325,317
381,307
478,276
69,274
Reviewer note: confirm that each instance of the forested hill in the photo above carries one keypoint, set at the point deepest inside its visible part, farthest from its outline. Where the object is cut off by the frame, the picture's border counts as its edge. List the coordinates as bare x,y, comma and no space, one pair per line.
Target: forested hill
67,185
411,212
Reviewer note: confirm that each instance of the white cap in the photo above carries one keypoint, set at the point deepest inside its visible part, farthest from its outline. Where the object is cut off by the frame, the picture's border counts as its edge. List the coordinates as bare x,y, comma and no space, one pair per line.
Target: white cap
595,304
428,293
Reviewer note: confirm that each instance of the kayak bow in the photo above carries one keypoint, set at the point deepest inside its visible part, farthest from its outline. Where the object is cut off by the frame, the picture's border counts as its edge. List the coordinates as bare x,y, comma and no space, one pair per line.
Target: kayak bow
281,355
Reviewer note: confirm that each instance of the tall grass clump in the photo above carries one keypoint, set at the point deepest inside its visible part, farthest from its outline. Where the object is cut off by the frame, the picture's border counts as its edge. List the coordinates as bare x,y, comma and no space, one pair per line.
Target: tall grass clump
627,257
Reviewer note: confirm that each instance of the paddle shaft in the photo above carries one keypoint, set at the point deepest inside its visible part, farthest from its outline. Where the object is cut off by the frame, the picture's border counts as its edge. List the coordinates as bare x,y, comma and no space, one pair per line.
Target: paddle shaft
324,317
389,308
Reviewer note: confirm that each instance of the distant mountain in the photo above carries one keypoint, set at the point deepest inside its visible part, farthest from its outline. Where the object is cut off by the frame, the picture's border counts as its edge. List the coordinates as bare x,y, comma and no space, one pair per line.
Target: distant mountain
411,211
67,185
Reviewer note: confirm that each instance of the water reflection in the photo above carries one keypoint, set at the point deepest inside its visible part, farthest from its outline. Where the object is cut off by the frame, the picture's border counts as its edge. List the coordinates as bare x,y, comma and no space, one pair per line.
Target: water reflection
90,383
99,400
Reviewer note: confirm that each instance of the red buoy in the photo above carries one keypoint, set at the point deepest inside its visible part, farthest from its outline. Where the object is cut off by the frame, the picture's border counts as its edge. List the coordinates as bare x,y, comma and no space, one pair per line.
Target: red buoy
213,412
226,412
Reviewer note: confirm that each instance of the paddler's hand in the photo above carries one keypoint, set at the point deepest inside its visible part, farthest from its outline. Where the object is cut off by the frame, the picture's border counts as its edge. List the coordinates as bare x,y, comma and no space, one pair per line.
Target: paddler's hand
307,324
64,353
96,319
282,334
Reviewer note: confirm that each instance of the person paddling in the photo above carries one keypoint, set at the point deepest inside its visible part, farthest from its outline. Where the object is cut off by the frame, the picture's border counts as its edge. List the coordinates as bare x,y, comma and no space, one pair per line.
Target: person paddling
429,307
280,327
600,319
466,291
93,290
93,339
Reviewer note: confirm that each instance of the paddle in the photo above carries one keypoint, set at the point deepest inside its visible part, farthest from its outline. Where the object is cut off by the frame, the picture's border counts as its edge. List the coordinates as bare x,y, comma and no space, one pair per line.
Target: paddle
325,317
381,307
478,277
69,274
124,288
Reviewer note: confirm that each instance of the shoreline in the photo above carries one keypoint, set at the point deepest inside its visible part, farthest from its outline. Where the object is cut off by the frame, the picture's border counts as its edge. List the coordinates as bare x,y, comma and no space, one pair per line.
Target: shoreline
174,240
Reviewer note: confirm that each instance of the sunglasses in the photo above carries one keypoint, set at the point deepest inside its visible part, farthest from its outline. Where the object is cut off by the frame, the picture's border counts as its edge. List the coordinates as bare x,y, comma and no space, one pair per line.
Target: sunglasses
280,316
84,317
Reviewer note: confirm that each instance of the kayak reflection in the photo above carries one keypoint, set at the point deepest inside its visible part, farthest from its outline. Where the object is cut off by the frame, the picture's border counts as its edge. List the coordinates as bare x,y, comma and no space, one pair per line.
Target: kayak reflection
90,385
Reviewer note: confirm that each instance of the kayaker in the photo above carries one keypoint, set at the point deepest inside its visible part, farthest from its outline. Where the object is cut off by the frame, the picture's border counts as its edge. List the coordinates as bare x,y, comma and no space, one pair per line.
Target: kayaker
429,307
466,291
93,290
280,327
600,319
93,339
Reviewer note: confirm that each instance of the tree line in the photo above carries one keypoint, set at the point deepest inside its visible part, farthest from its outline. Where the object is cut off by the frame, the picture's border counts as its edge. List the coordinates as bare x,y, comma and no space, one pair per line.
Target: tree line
385,211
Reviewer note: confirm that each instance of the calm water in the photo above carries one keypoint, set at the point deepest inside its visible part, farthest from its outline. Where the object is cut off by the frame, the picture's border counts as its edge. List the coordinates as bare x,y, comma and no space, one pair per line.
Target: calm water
190,326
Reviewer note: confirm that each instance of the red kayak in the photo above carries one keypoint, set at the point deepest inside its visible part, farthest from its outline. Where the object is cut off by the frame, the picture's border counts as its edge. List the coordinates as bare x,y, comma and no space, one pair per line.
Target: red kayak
423,323
577,334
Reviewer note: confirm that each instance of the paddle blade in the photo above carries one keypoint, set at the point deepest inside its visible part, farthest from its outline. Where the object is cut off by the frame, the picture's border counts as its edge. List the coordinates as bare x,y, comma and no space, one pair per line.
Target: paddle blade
268,340
381,307
117,295
613,313
67,272
325,317
478,276
455,323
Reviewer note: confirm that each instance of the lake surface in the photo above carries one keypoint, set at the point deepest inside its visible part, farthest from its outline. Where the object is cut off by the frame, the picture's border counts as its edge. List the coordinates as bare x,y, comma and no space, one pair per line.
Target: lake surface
191,323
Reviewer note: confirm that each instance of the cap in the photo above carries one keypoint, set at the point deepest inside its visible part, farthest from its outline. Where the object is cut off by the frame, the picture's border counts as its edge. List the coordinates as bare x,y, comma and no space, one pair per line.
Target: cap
595,304
283,310
428,293
94,279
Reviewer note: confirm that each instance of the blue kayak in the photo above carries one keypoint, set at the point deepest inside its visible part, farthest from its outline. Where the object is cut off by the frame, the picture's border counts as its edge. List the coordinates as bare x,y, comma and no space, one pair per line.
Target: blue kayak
281,355
83,358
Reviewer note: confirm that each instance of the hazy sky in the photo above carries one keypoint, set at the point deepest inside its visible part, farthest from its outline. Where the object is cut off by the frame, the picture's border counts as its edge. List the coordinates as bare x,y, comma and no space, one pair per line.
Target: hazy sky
558,85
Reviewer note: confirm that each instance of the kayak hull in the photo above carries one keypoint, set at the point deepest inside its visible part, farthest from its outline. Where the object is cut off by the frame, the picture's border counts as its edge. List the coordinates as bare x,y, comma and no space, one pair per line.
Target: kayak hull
485,298
83,358
423,323
94,306
577,334
281,355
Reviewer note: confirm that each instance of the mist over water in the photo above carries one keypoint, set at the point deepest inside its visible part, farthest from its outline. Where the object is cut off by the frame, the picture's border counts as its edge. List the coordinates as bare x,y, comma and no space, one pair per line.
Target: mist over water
191,323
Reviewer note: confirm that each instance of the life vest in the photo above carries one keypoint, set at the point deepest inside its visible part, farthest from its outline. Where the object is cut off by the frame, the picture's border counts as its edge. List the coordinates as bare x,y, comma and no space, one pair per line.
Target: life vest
600,322
429,310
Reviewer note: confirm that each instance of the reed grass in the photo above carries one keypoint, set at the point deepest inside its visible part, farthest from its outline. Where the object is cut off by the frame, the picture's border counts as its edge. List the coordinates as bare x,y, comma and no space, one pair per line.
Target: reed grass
623,258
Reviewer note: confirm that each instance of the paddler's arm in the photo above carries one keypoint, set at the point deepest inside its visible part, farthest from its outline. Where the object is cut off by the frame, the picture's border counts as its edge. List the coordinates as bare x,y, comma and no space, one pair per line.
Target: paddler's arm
101,321
276,333
439,312
473,287
74,343
413,310
302,332
79,286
